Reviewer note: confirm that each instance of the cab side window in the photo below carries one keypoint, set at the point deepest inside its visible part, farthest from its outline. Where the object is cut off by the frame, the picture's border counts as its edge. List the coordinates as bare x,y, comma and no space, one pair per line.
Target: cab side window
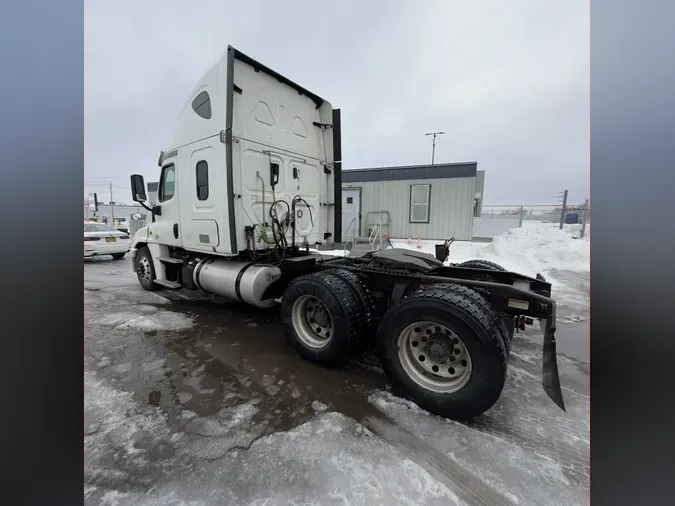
202,173
167,183
202,105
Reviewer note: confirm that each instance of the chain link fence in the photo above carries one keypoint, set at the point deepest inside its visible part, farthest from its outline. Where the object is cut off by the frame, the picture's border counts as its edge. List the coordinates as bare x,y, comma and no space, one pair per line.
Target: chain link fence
497,219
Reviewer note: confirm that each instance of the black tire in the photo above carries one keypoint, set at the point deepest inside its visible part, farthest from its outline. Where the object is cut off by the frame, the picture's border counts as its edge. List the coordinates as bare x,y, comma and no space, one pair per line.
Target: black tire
482,264
498,322
454,308
145,270
118,256
367,340
361,292
508,323
345,312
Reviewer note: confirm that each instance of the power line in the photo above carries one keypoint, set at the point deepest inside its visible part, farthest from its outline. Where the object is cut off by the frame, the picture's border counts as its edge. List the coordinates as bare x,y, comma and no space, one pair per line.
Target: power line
107,185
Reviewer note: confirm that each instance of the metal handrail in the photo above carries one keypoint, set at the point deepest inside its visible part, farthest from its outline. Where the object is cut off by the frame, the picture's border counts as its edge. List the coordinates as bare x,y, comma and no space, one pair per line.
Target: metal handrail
353,239
375,233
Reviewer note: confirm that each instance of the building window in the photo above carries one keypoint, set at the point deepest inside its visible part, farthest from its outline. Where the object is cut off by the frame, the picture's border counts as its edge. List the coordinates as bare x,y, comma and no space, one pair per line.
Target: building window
167,183
476,208
202,180
202,105
420,195
350,200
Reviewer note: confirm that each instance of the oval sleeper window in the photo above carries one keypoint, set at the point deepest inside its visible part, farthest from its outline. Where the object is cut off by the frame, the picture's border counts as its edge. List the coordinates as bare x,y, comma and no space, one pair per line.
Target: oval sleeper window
202,105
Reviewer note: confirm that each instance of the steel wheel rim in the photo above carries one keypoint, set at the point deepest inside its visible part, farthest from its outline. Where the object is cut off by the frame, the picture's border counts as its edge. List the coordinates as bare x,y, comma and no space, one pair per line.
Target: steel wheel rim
434,357
144,271
312,322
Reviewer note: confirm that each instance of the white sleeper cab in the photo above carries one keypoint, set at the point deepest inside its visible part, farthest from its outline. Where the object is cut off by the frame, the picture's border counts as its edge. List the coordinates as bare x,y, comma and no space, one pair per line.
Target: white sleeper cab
250,186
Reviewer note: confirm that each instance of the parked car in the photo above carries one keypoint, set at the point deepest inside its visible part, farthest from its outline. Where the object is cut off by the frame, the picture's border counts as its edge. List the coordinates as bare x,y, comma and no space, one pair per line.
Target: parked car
101,239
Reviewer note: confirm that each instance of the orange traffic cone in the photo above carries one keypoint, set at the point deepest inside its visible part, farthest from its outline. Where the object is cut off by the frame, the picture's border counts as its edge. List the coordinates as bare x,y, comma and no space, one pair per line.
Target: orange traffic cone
419,242
409,241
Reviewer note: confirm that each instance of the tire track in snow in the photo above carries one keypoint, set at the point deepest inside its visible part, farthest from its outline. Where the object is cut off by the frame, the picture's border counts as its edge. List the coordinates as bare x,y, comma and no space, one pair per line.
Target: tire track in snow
468,487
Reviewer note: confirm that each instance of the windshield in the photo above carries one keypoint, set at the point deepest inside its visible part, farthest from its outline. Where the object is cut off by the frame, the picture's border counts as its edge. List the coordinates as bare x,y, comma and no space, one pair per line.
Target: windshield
98,227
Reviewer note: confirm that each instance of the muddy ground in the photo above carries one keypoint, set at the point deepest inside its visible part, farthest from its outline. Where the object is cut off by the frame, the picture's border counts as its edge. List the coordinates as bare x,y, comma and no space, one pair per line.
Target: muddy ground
192,399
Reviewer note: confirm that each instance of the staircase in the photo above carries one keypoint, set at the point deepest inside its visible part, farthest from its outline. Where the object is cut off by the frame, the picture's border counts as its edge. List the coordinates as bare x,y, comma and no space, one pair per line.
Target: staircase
363,245
377,225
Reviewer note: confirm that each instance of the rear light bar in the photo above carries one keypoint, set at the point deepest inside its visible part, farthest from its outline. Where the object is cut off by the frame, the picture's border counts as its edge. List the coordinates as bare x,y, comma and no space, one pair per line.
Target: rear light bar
92,238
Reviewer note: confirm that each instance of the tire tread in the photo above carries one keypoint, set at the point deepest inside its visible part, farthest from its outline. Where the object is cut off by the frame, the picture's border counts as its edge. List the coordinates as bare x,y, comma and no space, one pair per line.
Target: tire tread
360,290
351,309
484,304
479,312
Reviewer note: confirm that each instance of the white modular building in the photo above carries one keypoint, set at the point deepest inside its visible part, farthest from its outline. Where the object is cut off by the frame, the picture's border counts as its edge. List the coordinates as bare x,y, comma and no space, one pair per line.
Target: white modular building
430,201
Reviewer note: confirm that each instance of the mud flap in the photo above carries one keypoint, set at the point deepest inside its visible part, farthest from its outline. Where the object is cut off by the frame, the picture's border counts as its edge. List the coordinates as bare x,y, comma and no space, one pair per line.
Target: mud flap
550,377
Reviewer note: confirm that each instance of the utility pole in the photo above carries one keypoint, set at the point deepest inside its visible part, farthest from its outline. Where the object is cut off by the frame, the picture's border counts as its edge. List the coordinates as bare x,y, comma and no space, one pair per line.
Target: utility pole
564,209
112,205
433,148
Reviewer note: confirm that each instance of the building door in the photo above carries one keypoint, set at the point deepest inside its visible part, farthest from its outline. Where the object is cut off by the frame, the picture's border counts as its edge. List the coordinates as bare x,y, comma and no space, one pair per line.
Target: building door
351,212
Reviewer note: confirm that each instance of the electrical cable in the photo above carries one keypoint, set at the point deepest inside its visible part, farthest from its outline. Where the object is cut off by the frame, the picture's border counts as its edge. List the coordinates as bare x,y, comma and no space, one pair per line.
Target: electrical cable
275,232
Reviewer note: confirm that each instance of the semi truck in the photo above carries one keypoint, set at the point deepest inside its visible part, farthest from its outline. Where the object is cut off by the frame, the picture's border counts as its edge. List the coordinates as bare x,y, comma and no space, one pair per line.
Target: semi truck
249,189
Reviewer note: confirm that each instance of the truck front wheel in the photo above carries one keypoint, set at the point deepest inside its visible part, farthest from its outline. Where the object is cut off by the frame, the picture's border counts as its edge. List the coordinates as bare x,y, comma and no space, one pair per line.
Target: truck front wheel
145,270
442,350
323,318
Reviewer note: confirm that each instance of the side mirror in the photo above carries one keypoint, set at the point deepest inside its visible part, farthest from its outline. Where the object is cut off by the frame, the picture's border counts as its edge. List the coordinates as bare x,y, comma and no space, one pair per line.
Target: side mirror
138,188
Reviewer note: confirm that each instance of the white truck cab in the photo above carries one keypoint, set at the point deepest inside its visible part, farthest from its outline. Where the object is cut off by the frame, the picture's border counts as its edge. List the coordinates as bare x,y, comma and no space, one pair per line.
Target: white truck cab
252,163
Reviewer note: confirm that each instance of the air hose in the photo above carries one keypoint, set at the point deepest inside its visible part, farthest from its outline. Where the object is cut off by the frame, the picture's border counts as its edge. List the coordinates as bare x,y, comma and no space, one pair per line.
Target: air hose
272,237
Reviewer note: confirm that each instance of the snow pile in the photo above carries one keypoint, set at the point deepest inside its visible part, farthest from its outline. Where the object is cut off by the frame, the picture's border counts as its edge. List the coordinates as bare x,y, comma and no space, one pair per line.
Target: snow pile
522,474
538,247
575,230
161,320
331,459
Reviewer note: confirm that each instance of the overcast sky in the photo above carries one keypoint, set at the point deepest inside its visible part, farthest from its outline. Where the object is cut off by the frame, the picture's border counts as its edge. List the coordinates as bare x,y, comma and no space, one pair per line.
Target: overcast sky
507,81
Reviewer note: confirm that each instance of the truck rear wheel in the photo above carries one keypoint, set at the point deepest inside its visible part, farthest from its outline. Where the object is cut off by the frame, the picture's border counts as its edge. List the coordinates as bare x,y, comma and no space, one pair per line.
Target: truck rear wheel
482,264
508,323
145,270
498,325
323,317
361,292
441,349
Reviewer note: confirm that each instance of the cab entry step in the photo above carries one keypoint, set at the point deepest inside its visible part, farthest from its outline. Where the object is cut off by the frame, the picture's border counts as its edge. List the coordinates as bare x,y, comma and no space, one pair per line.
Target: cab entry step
170,260
168,284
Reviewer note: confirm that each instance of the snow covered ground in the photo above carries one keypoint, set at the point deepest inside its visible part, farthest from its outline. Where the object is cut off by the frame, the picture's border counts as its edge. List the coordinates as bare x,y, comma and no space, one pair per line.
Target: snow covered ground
223,459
